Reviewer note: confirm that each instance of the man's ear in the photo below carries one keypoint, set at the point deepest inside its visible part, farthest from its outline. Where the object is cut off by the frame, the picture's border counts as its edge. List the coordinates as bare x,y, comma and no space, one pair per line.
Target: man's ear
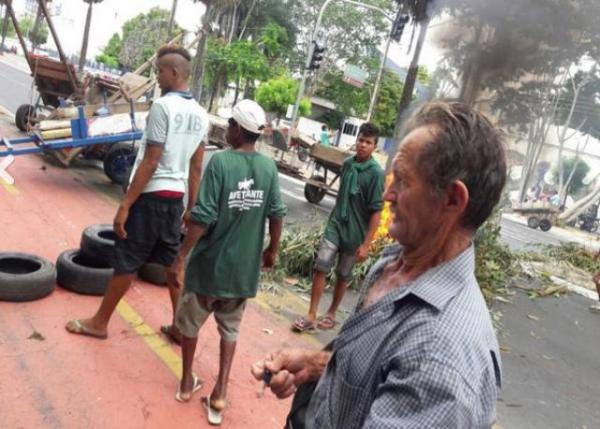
457,197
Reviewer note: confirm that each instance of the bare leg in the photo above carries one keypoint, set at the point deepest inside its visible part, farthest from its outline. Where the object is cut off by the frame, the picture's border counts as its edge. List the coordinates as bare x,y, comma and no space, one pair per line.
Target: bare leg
318,286
114,292
219,392
338,294
174,293
188,349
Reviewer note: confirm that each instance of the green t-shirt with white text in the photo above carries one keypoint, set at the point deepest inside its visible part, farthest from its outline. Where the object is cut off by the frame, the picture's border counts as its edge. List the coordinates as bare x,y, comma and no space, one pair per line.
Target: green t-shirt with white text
239,191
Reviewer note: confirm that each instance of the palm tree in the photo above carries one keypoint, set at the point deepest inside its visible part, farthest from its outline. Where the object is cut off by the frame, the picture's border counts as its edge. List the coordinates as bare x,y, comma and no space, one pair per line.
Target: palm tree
86,33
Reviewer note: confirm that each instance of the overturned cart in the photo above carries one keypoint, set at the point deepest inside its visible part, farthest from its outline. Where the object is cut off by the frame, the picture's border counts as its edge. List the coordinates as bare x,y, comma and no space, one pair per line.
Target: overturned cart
121,132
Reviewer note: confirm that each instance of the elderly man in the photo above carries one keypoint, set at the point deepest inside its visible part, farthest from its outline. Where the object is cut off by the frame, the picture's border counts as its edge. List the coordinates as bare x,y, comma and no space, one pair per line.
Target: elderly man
420,350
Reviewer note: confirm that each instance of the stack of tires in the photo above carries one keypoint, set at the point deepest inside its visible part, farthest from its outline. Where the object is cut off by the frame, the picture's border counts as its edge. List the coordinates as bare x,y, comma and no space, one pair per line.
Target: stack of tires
87,270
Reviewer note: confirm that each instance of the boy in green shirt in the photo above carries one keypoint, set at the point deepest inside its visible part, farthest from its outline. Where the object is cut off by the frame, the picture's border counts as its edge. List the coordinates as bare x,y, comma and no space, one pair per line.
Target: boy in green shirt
350,228
239,191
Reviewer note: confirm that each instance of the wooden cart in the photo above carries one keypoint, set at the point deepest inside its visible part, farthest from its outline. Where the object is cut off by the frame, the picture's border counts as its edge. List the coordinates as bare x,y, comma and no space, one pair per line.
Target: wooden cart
330,159
540,214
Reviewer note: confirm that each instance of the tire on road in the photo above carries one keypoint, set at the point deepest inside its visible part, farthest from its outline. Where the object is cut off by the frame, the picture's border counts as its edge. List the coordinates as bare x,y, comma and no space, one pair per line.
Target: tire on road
25,277
118,162
545,225
533,222
79,273
314,194
153,273
22,116
98,242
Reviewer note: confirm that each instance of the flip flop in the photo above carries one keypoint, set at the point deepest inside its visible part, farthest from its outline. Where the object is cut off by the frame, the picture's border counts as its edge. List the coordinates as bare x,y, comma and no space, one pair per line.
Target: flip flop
215,417
303,325
167,330
78,328
187,396
326,322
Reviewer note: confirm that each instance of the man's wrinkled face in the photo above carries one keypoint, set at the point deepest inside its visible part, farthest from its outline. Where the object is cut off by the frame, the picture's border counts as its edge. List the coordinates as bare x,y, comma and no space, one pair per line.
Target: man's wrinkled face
365,147
416,206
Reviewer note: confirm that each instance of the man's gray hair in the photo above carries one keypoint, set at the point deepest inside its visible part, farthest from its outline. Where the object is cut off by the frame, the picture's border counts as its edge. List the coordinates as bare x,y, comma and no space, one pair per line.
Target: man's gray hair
466,146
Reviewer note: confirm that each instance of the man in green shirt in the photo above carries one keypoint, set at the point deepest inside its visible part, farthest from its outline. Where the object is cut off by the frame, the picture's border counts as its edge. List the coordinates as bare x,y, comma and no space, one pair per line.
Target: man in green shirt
350,228
239,191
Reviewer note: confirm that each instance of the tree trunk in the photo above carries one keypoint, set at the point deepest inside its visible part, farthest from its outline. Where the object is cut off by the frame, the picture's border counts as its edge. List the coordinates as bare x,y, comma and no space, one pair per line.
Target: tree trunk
237,90
35,29
171,21
86,36
581,205
4,28
198,66
409,86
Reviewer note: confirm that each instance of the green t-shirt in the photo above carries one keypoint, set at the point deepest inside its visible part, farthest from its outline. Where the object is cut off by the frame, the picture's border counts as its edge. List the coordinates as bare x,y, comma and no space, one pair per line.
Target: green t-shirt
239,191
349,220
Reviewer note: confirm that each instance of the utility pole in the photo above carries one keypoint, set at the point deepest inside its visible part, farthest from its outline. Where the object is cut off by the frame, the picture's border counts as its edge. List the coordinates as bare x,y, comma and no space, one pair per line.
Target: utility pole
318,40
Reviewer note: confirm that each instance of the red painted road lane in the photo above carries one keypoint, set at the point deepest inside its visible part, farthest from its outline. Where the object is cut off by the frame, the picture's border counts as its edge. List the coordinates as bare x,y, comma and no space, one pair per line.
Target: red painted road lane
68,381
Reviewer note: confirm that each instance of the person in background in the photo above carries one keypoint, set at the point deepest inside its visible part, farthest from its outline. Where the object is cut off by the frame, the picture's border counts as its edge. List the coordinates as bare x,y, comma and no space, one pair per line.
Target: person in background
324,137
350,229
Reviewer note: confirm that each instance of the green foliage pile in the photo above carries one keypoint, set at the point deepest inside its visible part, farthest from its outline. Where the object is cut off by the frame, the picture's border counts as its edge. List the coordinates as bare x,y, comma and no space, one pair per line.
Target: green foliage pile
574,254
495,264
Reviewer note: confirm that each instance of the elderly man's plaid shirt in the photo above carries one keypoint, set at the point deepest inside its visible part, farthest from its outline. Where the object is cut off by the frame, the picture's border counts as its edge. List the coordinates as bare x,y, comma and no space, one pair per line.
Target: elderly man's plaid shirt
424,356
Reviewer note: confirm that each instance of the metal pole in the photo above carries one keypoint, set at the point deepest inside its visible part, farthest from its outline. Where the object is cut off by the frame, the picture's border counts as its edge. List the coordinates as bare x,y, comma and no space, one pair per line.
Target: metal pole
379,76
86,37
310,52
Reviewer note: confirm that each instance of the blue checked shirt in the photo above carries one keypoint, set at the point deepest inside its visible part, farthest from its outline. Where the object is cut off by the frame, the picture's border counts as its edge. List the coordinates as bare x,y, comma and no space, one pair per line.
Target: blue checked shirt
424,356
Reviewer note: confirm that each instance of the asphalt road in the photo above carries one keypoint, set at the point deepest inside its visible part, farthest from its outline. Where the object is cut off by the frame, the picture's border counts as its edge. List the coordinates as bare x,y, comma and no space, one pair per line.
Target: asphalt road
15,88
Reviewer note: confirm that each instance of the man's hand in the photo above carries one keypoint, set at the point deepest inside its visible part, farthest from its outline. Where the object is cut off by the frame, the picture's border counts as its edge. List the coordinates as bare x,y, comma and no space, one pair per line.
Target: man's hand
291,368
120,220
362,252
175,273
269,257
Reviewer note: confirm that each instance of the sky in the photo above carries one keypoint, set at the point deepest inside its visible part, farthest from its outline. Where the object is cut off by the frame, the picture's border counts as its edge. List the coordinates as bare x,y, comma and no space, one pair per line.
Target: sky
110,15
108,18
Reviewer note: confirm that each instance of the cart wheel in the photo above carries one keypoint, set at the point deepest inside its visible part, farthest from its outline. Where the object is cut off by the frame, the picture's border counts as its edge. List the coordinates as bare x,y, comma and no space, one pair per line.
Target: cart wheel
545,225
302,154
312,193
23,115
118,162
533,222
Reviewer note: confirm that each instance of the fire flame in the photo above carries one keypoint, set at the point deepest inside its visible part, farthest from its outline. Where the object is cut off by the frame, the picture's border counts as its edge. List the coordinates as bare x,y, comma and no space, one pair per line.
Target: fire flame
386,215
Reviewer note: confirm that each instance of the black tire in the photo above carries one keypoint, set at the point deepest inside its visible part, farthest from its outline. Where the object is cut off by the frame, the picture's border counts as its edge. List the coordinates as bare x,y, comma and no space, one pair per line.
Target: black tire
98,241
302,153
81,274
25,277
118,162
153,273
22,116
312,193
545,225
533,222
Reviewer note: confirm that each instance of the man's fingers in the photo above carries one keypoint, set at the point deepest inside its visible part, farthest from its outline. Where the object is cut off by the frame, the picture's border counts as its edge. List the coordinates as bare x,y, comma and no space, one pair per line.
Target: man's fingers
282,382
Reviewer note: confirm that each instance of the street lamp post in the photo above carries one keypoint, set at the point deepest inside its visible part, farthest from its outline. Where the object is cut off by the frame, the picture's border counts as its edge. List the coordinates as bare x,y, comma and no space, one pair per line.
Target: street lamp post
316,36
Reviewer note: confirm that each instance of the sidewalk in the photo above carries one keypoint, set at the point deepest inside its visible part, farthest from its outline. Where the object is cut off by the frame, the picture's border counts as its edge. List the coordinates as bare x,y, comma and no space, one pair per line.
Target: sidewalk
17,61
58,380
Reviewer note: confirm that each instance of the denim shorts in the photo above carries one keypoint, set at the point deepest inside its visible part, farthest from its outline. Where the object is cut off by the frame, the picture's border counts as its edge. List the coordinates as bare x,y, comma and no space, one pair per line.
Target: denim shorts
326,259
153,234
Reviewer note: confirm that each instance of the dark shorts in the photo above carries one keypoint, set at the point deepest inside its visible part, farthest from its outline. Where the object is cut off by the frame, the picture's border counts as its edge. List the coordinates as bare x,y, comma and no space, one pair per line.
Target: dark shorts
153,234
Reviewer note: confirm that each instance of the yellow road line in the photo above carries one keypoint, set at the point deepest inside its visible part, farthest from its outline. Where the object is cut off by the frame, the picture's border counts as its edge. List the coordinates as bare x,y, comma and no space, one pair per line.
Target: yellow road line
151,338
11,189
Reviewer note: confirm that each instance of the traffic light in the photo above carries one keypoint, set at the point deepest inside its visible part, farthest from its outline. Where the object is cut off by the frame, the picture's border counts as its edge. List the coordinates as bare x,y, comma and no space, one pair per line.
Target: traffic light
398,27
317,56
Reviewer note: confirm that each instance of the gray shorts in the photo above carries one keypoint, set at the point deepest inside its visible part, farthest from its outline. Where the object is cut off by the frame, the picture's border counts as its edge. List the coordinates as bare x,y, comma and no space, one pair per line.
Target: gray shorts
326,258
193,310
